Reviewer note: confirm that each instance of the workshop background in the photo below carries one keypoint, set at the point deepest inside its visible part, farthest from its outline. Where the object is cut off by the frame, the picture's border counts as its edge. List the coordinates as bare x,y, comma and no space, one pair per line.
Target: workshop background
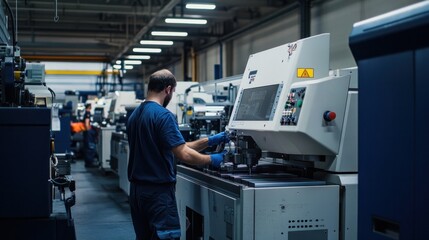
280,179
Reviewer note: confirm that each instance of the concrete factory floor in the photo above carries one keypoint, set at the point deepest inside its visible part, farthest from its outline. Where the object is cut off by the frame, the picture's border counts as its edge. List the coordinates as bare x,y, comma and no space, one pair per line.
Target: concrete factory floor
102,210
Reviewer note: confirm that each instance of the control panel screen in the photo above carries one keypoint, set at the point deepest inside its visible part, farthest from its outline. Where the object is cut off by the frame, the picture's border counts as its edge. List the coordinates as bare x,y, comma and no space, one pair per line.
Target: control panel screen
257,104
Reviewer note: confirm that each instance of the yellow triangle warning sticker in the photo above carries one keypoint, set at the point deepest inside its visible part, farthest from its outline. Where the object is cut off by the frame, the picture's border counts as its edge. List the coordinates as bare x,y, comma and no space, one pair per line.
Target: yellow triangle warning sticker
305,73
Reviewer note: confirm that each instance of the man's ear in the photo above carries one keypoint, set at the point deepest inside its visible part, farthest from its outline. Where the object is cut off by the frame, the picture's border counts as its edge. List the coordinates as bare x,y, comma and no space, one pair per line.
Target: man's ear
168,89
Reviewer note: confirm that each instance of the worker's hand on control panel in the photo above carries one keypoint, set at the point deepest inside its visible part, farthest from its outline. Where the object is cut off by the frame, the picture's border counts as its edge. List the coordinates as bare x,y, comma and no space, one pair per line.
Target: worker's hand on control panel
217,159
218,139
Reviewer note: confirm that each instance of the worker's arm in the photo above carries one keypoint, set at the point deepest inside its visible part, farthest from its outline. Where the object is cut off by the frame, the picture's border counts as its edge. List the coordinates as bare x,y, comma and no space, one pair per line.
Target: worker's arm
190,156
203,143
198,145
87,124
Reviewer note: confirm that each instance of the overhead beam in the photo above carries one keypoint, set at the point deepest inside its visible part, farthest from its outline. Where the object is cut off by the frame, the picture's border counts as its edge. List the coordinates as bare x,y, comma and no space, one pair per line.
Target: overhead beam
64,8
89,29
69,19
66,58
71,34
89,11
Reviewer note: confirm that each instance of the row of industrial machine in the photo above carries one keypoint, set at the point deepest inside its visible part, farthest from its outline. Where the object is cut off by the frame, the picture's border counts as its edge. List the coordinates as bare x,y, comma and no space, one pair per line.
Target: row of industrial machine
201,110
291,167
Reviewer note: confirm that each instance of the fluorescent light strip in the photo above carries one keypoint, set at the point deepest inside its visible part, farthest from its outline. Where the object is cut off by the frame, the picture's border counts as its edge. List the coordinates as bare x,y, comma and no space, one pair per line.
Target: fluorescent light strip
171,34
129,67
156,42
138,57
186,21
200,6
147,50
130,62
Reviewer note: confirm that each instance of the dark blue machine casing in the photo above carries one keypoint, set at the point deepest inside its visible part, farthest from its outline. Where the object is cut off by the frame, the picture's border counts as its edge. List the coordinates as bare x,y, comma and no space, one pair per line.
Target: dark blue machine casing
392,53
24,163
63,137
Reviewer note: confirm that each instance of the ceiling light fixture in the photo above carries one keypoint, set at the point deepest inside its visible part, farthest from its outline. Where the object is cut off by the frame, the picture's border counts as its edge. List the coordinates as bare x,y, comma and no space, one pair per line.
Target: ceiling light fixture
156,42
186,20
130,62
171,34
145,57
200,6
129,67
147,50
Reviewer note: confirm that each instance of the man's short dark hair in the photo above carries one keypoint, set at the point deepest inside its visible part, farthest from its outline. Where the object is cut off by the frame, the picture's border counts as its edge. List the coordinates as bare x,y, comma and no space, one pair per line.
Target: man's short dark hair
87,105
161,79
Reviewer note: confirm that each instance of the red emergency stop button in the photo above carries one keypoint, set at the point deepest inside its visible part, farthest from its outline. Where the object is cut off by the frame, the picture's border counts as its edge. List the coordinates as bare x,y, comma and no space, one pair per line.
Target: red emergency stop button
329,116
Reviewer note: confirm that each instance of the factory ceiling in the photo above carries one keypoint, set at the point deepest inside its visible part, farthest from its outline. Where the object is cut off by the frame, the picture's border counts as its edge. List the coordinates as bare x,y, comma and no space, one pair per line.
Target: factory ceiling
108,30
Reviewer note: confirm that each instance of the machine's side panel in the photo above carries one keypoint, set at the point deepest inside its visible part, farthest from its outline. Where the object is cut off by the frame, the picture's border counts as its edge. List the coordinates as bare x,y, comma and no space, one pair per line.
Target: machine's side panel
386,146
307,212
348,201
25,162
209,213
346,159
123,156
247,217
393,162
103,147
422,129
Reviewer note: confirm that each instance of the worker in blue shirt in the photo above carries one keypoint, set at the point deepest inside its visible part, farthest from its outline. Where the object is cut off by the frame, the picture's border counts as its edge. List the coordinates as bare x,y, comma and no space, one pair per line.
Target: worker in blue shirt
155,141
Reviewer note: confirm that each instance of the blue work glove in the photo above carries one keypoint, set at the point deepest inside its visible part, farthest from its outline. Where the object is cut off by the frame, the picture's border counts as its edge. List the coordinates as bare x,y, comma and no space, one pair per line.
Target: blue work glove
218,139
217,159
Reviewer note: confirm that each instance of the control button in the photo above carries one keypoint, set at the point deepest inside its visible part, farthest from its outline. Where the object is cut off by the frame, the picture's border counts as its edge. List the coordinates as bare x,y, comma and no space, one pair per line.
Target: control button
329,116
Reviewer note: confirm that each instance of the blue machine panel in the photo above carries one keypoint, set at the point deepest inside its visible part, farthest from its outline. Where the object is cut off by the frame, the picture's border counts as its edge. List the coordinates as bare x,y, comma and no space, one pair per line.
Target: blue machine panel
392,55
24,162
421,144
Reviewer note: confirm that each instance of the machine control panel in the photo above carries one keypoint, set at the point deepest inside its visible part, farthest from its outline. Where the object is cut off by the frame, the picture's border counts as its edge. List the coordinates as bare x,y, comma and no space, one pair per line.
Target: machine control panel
292,108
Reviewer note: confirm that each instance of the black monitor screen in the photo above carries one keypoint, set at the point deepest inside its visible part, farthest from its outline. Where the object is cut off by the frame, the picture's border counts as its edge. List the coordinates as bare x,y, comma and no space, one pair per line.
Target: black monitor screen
256,104
112,105
98,114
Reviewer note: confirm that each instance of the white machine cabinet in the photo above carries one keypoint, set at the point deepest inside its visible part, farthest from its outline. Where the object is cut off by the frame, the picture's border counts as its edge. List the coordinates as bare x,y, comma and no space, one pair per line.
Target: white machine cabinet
123,155
103,146
220,209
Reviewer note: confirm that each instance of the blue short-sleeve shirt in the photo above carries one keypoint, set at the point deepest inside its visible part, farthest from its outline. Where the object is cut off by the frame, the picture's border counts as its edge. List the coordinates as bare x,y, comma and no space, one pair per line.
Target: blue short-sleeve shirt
152,133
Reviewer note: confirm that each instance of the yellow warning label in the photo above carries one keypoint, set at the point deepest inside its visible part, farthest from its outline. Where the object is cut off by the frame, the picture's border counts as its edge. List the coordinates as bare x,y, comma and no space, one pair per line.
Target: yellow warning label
305,73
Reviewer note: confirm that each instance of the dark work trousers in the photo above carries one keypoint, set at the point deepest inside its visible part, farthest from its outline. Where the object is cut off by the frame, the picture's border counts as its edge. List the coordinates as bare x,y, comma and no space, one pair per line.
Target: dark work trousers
154,211
89,146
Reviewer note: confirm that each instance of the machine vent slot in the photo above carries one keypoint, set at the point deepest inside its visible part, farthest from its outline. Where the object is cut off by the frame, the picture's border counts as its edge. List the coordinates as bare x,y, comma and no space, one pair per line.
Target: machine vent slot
386,228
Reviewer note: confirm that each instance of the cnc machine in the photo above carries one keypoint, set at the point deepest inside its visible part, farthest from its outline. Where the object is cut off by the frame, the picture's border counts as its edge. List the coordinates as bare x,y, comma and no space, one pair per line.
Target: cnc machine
30,169
291,167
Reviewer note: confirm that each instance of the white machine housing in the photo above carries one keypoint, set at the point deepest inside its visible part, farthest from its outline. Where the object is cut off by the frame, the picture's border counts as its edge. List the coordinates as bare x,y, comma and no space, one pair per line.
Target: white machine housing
293,82
105,102
286,103
35,83
180,97
118,102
